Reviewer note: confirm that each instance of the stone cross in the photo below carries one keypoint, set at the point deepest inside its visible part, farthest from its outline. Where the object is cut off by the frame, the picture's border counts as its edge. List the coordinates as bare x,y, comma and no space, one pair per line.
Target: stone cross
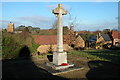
59,56
59,11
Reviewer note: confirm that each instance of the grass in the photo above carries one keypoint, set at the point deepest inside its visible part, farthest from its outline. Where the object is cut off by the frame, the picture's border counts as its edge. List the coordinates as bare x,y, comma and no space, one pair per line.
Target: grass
39,56
104,55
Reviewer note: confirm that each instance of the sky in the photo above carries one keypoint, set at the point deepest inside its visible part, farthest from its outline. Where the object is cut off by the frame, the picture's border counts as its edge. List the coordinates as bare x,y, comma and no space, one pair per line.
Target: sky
84,15
59,0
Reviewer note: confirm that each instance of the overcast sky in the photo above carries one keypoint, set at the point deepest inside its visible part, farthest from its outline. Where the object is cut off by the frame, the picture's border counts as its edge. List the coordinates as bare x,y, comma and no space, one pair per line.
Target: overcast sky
85,15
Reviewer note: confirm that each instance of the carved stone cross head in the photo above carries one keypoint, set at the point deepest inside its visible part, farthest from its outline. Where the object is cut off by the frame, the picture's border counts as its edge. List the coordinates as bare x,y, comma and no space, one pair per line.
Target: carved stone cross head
59,10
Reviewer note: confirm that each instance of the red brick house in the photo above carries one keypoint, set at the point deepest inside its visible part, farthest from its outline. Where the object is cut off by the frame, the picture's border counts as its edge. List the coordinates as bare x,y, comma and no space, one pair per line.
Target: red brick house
115,37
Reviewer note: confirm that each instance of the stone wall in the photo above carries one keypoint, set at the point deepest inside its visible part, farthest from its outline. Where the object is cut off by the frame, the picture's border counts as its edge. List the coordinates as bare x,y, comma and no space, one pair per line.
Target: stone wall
46,48
79,42
116,40
100,39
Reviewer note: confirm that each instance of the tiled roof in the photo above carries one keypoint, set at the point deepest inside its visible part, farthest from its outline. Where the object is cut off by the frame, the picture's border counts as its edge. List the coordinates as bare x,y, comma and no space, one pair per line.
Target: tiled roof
79,36
92,38
115,34
45,39
106,37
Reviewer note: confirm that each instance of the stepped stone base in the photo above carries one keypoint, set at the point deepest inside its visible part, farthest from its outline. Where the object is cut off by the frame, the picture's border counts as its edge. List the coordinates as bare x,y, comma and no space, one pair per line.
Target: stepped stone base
51,68
55,67
59,67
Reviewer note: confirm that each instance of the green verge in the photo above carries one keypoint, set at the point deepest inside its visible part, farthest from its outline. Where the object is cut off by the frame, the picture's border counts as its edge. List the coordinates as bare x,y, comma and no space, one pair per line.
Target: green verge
104,55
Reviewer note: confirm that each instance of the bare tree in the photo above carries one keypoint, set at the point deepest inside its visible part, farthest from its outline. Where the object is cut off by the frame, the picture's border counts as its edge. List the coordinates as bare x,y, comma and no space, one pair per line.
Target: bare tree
25,33
54,24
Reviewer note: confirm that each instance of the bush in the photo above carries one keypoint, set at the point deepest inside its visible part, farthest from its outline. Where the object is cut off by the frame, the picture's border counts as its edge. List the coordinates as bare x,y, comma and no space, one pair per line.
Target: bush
34,46
13,43
10,46
10,52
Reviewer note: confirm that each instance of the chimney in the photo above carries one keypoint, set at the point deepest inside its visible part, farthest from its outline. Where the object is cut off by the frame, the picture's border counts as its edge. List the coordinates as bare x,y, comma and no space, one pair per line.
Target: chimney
72,27
98,35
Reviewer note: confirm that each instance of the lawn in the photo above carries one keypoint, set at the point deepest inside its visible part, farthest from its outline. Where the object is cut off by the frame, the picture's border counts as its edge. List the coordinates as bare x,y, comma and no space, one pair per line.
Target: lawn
104,55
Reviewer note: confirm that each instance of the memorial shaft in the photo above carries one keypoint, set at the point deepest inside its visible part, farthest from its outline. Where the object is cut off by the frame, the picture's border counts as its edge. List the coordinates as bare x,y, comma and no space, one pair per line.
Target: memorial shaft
60,33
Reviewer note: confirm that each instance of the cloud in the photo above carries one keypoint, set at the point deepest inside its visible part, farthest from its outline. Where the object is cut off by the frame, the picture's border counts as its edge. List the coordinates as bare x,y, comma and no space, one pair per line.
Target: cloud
46,23
79,25
59,0
97,26
53,6
92,26
42,22
39,21
5,23
106,0
35,19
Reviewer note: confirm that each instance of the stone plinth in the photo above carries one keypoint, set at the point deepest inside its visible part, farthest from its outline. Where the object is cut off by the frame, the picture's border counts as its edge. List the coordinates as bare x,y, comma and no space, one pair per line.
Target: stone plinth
59,58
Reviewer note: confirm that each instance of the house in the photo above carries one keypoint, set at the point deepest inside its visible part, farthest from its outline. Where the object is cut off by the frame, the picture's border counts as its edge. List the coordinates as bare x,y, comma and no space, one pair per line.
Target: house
74,39
115,37
103,41
79,41
48,43
92,41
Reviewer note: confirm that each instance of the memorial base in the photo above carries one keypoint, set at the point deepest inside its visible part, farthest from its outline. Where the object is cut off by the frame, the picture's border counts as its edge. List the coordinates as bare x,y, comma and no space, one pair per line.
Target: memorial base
56,66
59,58
55,69
59,67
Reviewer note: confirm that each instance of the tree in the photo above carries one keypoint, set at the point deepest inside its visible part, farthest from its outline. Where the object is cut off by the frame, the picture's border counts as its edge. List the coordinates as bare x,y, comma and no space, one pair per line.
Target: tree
25,33
106,31
65,30
69,38
20,28
30,28
54,24
4,30
73,20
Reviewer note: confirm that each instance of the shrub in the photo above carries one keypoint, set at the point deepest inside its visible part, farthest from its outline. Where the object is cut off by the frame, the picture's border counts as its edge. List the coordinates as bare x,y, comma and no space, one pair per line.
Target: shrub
34,46
13,43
